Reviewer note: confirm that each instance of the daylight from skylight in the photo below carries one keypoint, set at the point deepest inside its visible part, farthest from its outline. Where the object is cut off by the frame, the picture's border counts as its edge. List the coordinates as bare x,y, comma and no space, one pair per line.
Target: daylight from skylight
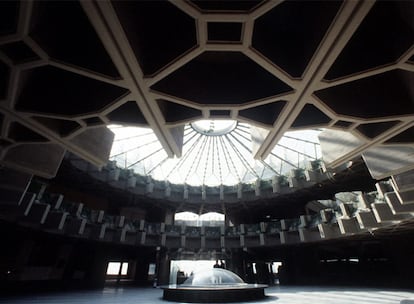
215,152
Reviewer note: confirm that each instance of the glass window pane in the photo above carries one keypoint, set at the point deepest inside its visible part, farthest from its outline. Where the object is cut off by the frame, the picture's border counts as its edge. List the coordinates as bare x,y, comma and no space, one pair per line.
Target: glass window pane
124,269
113,268
215,152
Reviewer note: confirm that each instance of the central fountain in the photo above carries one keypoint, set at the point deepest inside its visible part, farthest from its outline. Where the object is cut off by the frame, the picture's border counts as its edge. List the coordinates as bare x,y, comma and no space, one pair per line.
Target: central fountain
213,286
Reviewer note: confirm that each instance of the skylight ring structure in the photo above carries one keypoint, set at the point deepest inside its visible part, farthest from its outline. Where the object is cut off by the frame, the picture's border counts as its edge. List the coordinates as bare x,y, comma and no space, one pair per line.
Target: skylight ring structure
214,127
213,161
240,155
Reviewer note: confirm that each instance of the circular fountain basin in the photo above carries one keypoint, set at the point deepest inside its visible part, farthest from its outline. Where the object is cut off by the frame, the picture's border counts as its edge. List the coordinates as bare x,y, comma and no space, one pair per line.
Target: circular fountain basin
214,286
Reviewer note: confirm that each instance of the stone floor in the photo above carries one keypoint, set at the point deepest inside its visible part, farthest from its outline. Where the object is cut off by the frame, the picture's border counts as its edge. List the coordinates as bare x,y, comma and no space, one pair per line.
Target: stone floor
277,295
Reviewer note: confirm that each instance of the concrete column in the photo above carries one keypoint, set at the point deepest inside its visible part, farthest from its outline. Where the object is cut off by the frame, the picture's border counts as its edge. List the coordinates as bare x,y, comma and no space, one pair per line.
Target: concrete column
226,220
169,217
262,273
163,271
235,264
141,271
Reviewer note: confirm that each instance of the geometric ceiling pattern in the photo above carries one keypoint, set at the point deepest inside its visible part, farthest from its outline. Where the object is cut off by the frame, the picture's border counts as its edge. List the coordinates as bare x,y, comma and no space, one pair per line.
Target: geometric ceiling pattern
70,69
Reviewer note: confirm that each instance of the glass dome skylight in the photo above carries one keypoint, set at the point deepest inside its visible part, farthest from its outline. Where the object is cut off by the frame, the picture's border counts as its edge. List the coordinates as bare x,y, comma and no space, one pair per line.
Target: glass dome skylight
215,152
214,127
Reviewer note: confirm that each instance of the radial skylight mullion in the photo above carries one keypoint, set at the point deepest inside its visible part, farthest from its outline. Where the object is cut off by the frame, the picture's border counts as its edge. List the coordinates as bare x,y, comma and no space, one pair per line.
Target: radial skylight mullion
134,136
218,161
197,157
207,158
186,141
284,160
241,156
301,139
241,143
187,130
242,135
296,151
135,148
245,154
185,156
262,173
144,158
227,156
158,165
243,130
238,162
269,167
243,125
211,151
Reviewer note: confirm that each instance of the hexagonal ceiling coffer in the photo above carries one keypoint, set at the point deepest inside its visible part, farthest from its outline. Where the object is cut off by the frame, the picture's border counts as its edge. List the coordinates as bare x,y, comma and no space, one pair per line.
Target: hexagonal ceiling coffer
49,90
310,116
63,30
9,14
4,79
61,127
1,121
219,5
20,133
378,96
93,121
372,130
220,113
221,78
224,31
265,114
343,124
290,33
384,35
404,137
128,113
18,52
174,112
158,32
4,143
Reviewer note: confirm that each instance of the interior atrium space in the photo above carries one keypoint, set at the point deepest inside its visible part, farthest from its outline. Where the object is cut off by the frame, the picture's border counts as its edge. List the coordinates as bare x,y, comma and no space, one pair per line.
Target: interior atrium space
143,142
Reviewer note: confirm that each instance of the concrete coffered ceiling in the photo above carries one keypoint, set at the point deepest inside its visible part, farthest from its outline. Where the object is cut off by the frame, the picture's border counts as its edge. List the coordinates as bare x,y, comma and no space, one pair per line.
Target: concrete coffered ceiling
69,69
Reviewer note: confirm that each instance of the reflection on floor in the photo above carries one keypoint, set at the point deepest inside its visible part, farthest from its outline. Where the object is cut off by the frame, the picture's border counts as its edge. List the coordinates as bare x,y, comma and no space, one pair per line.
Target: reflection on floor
277,295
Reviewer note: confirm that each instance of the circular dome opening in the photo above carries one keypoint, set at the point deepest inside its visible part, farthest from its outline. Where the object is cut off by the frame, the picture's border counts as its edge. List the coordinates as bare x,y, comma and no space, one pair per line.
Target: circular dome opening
214,154
214,127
